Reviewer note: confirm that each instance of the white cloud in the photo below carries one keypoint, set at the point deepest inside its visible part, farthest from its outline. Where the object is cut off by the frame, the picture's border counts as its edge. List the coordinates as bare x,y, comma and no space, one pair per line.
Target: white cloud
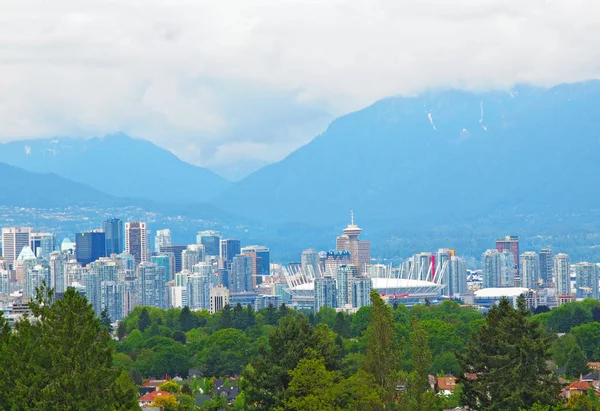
220,75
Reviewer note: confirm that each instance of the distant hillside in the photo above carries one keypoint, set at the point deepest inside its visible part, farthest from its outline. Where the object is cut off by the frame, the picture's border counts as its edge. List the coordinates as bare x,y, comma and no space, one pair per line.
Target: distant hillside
23,188
444,158
118,165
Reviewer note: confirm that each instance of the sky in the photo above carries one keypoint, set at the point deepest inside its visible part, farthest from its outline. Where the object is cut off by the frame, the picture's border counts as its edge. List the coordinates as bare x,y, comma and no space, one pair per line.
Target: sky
236,84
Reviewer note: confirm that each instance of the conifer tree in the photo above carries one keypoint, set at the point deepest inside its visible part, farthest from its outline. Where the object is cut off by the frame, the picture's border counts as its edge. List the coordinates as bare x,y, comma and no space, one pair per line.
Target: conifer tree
576,362
382,359
504,364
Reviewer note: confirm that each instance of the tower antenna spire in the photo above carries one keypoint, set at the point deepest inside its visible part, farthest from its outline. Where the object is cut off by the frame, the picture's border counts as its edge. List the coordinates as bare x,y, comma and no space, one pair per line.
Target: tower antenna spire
351,217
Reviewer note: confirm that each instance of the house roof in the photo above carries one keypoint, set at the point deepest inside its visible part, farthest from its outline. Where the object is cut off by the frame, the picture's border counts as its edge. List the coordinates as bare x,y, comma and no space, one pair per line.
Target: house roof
152,395
153,383
446,383
578,386
592,376
594,365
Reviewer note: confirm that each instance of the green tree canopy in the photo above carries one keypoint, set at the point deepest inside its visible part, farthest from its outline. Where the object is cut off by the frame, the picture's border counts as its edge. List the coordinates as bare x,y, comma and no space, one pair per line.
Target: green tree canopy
508,356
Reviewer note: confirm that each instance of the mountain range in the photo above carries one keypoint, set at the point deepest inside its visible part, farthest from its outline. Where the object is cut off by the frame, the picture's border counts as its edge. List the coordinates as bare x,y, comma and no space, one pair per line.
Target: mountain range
449,160
442,158
117,165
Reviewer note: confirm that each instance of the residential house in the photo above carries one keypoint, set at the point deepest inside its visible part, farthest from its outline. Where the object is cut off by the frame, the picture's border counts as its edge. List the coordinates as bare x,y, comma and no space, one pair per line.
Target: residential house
146,400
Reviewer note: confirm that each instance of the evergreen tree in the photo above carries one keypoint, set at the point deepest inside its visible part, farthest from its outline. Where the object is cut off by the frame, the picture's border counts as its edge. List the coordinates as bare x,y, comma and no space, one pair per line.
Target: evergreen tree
226,319
61,361
507,356
270,315
105,321
576,362
341,325
144,320
419,397
382,359
187,320
121,330
265,380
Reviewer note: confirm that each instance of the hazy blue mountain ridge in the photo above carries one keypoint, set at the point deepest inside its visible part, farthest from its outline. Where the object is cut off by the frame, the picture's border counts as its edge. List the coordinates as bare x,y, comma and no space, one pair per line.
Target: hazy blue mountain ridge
444,157
117,165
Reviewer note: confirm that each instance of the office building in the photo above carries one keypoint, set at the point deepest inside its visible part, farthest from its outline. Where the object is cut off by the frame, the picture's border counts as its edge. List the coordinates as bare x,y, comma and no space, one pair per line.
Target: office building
136,241
264,301
25,261
241,274
361,291
4,282
511,243
57,271
219,298
490,264
177,252
562,272
14,239
325,293
192,255
114,236
162,239
458,276
261,262
230,247
90,246
167,261
310,262
42,244
586,280
130,292
360,250
211,241
546,267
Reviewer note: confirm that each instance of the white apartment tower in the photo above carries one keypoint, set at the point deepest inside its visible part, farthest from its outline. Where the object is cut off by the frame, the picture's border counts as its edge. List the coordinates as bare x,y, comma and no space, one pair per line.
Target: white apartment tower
530,269
562,267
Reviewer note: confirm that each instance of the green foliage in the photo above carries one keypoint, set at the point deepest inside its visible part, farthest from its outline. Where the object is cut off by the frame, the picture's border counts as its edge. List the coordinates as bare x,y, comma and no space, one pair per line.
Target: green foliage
144,320
418,396
105,321
508,356
561,348
187,320
121,330
266,378
576,362
169,386
225,353
588,338
382,359
52,363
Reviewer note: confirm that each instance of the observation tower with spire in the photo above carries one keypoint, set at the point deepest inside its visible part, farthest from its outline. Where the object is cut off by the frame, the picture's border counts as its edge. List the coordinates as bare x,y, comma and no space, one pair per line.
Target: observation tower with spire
360,250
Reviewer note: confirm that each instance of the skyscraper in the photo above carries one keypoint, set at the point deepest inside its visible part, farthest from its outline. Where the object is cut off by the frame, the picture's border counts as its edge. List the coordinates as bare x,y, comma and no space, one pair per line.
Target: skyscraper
42,244
113,233
211,241
177,252
360,250
325,293
562,271
230,247
345,277
261,262
91,245
586,280
440,267
530,269
241,274
490,262
57,271
167,261
458,276
361,291
136,241
163,238
546,267
192,255
151,285
310,262
510,243
14,239
198,289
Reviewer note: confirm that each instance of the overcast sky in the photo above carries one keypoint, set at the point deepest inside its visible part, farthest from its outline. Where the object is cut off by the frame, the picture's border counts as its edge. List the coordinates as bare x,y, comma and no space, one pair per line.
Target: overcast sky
233,84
